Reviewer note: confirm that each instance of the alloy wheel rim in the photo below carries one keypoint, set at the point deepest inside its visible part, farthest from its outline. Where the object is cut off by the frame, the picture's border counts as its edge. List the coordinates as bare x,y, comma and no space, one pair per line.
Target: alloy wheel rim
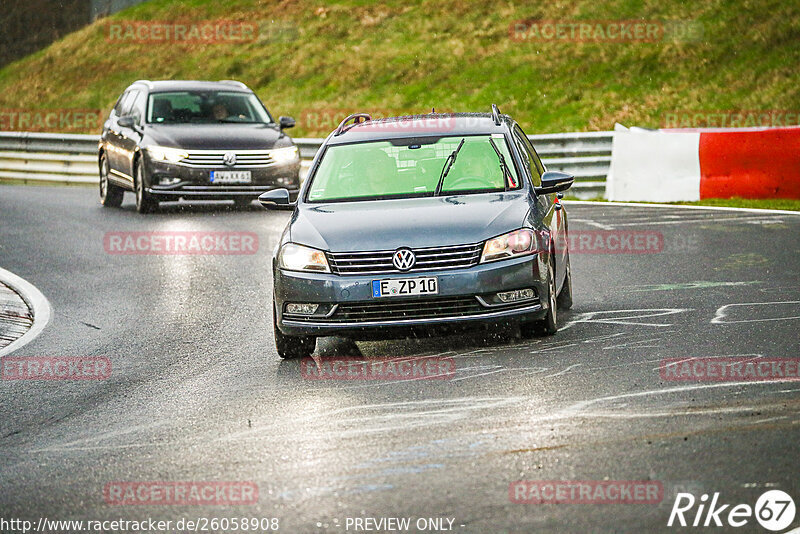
552,293
104,180
139,187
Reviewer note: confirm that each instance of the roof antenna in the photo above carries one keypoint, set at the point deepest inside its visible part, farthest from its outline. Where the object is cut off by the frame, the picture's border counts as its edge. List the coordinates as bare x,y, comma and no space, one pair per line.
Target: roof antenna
496,115
433,110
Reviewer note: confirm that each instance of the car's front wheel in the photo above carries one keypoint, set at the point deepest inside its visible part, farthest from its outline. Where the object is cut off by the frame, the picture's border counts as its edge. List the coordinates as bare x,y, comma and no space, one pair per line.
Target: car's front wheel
291,346
110,194
548,325
144,202
564,299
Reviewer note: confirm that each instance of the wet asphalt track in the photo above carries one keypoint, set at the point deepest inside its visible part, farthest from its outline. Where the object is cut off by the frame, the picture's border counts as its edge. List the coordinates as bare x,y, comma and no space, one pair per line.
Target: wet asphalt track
198,393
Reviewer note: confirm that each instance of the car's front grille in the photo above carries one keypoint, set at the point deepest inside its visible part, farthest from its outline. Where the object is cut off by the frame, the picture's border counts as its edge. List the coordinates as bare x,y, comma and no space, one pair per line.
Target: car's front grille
427,259
399,310
216,158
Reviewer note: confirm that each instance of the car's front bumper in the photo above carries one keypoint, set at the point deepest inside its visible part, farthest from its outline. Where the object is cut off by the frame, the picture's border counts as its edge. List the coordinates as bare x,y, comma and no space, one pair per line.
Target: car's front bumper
195,182
466,296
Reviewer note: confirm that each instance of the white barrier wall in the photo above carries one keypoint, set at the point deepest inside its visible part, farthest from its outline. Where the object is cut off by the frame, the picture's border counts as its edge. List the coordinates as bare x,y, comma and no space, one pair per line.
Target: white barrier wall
654,166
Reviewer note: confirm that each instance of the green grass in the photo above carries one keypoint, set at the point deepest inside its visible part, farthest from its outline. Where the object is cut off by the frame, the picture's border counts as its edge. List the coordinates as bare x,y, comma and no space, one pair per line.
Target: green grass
405,57
787,204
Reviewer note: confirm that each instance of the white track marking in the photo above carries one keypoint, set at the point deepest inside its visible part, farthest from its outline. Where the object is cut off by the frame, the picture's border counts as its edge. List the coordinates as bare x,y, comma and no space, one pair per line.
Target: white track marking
35,300
592,223
553,348
576,409
563,371
631,343
754,357
591,317
704,219
70,445
722,312
598,339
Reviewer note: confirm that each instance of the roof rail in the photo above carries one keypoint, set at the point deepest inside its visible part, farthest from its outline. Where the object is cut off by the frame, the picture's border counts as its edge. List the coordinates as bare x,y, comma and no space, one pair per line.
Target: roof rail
234,82
148,83
496,115
341,128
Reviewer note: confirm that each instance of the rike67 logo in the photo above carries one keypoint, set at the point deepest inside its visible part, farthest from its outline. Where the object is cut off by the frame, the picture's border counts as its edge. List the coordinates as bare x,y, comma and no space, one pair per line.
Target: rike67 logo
774,510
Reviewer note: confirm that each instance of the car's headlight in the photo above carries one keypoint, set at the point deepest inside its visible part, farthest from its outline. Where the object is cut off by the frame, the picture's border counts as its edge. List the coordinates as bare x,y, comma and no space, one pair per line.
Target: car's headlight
163,153
512,244
284,155
293,257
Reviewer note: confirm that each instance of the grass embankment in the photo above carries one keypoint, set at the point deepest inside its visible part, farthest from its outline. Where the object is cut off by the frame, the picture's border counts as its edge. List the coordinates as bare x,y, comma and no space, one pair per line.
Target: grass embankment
317,61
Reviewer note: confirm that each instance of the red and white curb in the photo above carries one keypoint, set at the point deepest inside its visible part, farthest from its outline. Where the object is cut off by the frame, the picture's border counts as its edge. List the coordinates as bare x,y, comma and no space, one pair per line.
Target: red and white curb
37,303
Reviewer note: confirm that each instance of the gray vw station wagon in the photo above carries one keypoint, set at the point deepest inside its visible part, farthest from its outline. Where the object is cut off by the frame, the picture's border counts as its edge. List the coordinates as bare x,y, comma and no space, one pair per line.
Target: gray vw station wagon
417,222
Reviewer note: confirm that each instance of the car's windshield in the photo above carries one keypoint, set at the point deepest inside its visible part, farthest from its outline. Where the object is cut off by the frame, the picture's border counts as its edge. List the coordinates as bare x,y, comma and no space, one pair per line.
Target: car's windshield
177,107
384,169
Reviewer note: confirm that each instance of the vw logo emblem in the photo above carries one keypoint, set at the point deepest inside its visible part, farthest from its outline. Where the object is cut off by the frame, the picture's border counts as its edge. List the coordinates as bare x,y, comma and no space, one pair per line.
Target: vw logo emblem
404,259
229,159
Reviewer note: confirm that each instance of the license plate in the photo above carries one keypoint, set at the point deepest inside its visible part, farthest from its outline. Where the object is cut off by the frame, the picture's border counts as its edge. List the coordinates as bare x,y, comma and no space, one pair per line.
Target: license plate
401,287
230,177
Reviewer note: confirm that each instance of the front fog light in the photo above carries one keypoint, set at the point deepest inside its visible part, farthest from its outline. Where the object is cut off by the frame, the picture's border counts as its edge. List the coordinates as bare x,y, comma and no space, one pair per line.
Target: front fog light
167,180
304,308
519,294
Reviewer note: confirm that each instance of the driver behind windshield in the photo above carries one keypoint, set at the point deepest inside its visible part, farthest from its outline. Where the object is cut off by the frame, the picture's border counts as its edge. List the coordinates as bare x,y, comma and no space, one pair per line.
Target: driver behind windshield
219,112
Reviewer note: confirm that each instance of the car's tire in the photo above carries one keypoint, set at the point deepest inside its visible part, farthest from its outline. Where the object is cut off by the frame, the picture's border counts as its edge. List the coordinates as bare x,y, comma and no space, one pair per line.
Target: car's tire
289,347
548,325
144,202
110,194
564,299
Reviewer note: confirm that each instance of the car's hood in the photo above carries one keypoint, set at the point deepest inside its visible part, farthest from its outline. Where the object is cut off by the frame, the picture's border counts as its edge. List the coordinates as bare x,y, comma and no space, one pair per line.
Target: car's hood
417,222
216,136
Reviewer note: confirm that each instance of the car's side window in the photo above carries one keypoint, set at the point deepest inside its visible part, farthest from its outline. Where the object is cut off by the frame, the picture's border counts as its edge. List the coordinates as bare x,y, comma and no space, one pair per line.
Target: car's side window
137,108
526,157
536,167
117,111
127,103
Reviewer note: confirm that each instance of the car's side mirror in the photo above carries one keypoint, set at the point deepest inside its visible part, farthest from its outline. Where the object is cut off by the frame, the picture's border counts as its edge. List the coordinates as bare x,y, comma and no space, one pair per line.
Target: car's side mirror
127,121
276,199
554,182
286,122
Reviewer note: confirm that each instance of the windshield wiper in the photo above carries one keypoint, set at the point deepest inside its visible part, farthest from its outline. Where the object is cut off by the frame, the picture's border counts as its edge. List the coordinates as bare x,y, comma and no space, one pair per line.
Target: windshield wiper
503,167
448,164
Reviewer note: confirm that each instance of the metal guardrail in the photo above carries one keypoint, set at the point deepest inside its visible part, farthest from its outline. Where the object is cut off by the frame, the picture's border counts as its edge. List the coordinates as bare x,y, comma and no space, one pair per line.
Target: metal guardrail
72,158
